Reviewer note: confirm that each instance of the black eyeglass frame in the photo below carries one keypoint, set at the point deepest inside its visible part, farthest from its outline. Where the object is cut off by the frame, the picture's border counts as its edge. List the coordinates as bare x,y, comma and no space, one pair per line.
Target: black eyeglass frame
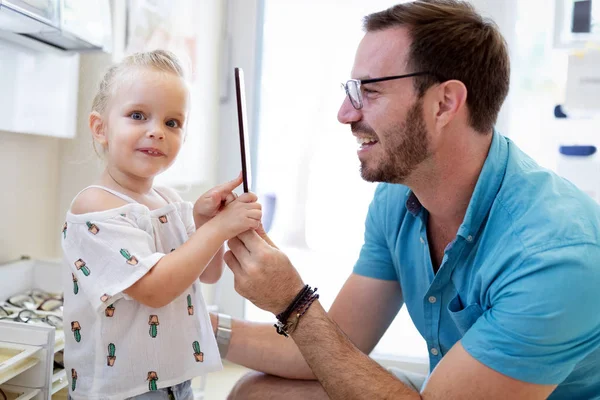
360,82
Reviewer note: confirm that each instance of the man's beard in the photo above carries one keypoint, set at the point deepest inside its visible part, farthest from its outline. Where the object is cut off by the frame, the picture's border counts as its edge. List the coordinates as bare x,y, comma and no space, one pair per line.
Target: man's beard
406,147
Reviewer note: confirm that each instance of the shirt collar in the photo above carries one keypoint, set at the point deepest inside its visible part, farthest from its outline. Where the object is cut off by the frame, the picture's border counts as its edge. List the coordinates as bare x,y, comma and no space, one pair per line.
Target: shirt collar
484,194
413,205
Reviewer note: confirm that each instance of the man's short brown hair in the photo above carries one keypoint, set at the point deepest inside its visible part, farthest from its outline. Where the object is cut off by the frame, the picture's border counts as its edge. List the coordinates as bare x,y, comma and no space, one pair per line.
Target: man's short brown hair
452,41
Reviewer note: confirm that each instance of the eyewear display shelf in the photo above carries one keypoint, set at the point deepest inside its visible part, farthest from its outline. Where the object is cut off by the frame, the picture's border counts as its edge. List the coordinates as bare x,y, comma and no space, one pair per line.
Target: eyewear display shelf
27,350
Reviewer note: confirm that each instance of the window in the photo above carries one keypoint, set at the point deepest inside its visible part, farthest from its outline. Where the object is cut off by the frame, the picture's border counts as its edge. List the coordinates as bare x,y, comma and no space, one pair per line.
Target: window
307,158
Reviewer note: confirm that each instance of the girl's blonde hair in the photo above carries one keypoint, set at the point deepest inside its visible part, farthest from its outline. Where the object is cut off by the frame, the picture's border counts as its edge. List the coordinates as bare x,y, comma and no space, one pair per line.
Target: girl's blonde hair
161,60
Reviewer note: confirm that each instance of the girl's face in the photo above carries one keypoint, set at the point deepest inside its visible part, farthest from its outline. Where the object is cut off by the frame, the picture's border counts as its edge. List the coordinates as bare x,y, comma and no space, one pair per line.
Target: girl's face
143,126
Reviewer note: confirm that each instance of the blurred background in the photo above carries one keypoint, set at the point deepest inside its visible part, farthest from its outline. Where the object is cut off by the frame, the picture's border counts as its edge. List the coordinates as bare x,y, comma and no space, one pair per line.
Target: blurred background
294,54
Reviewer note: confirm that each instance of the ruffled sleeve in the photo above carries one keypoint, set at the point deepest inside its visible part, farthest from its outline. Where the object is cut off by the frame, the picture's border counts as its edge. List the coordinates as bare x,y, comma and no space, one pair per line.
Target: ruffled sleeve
107,256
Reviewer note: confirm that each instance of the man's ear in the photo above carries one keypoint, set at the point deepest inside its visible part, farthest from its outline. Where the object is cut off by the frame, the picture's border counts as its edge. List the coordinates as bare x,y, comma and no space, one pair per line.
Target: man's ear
97,127
452,99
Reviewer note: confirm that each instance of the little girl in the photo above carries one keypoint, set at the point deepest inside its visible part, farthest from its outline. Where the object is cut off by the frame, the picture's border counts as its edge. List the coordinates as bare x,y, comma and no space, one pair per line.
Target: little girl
139,325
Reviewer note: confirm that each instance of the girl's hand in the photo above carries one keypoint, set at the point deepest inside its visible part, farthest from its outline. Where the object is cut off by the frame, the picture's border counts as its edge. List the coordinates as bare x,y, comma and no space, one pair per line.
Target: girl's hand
240,215
210,203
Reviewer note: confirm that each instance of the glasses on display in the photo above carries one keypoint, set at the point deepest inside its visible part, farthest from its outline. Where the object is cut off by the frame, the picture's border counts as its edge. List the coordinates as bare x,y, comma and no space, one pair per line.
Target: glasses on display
29,316
36,300
4,312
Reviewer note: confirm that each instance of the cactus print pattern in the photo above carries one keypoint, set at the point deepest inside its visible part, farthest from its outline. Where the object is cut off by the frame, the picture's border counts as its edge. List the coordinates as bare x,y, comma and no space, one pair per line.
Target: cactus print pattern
75,285
109,311
152,378
81,266
76,328
131,260
153,322
73,379
190,305
110,359
92,228
198,355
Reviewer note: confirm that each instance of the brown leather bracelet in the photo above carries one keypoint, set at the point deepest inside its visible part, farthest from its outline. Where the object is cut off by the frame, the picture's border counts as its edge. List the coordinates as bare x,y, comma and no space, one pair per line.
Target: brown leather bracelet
287,327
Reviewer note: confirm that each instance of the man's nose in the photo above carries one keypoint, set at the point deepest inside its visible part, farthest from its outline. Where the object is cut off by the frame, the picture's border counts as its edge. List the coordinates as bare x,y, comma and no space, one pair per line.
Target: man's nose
347,113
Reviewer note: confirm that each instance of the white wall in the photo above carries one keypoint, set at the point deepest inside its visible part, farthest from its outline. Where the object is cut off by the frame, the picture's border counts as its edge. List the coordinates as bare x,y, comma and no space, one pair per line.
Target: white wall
29,179
78,164
40,175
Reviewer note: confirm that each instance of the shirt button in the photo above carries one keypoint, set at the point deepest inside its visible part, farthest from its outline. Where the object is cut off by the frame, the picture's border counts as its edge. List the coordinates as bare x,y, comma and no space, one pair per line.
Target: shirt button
432,299
434,351
422,240
469,238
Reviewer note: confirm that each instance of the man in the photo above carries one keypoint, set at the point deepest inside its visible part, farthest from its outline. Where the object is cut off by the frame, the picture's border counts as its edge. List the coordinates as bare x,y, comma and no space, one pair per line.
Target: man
496,258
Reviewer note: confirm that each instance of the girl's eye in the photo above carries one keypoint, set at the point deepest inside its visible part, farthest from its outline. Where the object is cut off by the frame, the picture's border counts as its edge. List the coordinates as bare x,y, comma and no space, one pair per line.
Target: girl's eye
173,123
138,116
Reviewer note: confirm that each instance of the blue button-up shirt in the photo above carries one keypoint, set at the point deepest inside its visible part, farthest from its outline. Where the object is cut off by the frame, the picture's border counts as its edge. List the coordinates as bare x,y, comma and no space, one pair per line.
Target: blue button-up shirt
518,286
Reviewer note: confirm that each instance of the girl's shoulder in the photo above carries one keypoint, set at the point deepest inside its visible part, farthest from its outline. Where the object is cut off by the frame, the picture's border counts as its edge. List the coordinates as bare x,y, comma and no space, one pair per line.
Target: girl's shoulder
102,204
95,199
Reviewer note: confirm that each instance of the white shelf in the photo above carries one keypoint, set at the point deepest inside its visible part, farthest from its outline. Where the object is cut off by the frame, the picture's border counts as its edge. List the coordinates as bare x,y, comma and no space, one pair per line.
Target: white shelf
19,393
59,340
59,381
16,359
27,351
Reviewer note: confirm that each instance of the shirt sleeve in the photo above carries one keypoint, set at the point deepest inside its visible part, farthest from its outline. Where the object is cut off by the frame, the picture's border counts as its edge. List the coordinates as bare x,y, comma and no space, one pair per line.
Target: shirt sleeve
544,317
375,259
107,257
186,208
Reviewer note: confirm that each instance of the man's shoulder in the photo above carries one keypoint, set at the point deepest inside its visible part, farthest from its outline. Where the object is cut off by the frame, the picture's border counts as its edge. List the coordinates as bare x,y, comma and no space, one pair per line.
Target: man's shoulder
542,207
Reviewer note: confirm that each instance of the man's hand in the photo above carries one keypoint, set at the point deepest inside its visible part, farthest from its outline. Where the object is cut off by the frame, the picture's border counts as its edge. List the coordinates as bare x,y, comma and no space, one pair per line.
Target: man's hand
263,234
210,203
262,273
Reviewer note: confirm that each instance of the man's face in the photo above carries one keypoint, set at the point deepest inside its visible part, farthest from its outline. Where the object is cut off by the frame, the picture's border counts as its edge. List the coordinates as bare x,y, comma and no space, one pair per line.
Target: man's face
390,127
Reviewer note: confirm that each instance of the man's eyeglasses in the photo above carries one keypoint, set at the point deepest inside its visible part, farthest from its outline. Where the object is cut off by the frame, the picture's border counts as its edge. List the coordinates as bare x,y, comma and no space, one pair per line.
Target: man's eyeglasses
352,86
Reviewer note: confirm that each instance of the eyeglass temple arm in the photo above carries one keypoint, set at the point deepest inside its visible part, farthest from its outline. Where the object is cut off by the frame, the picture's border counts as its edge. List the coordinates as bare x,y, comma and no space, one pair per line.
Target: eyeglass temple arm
389,78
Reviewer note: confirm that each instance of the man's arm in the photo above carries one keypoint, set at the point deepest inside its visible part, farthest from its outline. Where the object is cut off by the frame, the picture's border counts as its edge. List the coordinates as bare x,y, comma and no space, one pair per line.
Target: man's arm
347,373
265,276
363,309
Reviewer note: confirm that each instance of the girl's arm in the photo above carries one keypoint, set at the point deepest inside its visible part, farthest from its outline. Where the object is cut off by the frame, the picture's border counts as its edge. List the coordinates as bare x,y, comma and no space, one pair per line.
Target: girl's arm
176,271
214,270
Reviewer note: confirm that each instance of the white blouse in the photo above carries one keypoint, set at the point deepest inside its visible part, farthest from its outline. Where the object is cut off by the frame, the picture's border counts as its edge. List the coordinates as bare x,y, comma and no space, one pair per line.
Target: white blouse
118,347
